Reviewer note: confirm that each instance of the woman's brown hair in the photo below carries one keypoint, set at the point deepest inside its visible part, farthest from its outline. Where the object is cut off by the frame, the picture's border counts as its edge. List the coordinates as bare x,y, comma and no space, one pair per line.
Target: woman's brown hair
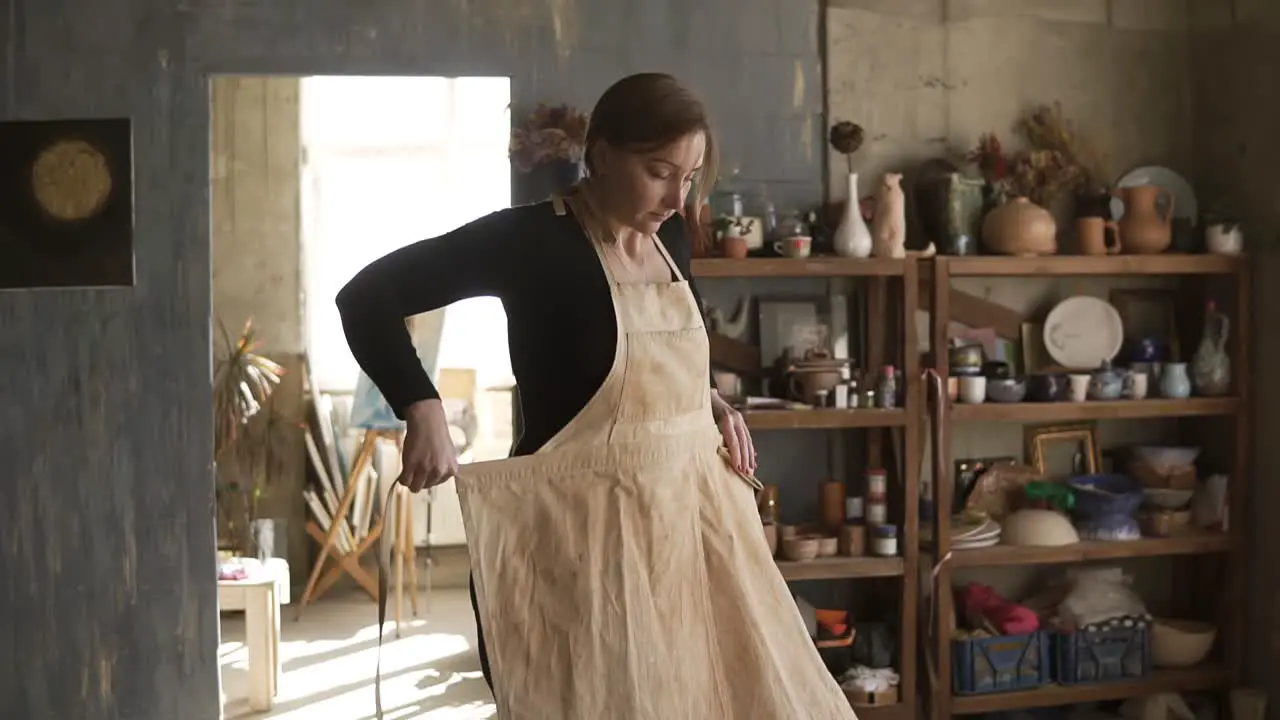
648,111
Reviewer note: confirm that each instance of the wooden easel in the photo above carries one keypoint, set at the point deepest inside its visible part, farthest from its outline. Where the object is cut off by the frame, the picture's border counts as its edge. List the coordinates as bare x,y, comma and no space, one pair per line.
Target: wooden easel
339,542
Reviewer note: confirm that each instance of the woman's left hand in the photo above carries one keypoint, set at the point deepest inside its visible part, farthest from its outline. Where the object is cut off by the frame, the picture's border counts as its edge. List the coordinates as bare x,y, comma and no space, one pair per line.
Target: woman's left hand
737,439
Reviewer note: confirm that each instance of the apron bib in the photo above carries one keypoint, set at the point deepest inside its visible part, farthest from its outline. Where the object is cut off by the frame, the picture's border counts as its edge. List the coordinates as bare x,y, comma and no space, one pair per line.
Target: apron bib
621,572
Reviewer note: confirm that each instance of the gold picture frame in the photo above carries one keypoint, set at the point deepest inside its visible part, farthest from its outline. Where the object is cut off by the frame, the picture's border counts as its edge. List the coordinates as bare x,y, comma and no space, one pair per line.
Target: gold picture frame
1044,444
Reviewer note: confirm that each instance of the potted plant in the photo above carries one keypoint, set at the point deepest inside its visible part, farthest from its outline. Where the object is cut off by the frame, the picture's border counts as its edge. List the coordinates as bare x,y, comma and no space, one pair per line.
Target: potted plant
547,149
244,421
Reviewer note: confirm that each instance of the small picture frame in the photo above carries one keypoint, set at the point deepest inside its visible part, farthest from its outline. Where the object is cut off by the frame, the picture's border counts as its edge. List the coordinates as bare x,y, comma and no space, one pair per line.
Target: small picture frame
1058,452
794,323
67,215
1149,313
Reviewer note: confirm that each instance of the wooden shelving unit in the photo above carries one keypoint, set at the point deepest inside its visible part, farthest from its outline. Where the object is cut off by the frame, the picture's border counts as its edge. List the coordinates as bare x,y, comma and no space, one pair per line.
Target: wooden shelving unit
1229,415
824,419
878,274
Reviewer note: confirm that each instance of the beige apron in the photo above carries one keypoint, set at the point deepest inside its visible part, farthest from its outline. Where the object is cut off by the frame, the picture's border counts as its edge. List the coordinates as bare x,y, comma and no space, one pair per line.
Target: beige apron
621,571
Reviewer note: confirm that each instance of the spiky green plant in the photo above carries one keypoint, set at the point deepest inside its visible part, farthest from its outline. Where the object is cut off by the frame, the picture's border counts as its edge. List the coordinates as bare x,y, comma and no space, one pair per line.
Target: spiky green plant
243,383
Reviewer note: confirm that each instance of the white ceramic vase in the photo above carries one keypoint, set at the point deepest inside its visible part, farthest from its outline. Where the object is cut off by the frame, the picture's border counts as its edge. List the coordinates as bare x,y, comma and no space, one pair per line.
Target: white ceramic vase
853,237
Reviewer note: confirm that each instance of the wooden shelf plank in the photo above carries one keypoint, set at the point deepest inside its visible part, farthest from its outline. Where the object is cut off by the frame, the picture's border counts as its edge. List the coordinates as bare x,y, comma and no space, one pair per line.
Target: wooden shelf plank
1159,681
1191,543
841,567
797,267
896,711
1095,410
1166,264
820,419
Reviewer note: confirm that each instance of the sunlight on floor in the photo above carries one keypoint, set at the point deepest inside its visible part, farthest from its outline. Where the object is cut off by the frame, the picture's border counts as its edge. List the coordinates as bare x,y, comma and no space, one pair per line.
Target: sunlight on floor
431,672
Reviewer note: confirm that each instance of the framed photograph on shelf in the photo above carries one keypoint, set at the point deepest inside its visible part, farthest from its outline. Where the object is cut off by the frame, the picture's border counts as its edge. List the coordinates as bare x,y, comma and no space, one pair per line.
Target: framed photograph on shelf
794,324
1058,452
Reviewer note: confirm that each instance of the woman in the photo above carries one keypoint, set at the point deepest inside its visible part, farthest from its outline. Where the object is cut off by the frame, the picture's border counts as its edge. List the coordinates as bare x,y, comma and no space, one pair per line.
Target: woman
619,570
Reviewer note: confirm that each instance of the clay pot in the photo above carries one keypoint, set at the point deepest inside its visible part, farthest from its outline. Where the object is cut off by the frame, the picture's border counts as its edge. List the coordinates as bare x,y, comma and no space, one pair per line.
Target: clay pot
1020,227
734,247
1147,225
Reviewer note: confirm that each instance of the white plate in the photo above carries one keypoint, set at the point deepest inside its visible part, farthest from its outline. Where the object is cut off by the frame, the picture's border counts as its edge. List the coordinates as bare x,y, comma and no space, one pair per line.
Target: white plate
976,544
1184,198
1082,332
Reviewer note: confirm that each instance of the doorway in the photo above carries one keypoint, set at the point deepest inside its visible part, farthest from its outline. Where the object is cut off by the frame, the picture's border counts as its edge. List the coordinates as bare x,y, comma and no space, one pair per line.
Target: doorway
311,179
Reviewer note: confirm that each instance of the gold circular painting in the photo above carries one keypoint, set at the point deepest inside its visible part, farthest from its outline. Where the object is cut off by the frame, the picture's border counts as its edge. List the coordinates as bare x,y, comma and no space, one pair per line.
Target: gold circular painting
71,180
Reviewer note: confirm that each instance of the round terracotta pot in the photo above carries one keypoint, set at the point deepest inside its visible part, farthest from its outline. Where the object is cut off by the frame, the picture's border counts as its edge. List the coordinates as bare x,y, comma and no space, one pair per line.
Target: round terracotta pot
1020,227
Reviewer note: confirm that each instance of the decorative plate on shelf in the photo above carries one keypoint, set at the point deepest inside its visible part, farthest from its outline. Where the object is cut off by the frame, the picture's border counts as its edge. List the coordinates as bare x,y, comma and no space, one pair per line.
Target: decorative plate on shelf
1082,332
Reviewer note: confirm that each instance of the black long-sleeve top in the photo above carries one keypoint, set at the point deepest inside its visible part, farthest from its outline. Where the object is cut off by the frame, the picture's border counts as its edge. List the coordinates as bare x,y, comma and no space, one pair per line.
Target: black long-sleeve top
561,329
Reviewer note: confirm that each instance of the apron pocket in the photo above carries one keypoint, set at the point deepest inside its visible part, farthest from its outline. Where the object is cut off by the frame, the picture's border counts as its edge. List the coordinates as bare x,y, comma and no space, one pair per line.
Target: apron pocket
665,376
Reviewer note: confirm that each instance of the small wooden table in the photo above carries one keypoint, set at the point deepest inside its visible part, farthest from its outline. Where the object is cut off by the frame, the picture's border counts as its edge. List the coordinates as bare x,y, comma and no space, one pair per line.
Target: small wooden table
259,598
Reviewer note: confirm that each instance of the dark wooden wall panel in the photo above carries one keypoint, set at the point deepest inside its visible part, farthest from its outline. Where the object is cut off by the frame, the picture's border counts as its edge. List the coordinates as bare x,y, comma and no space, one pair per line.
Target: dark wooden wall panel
106,492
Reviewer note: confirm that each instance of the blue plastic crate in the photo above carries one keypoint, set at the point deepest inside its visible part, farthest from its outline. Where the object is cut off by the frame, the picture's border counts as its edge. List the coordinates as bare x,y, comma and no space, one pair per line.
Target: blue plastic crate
1000,664
1114,652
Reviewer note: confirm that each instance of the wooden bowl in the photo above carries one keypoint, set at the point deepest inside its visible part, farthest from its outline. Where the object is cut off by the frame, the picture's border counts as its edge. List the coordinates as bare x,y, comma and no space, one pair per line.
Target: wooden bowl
800,548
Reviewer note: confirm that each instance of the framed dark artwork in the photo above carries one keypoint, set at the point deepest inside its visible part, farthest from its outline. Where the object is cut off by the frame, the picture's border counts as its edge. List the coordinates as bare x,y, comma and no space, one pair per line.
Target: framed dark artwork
1149,314
67,215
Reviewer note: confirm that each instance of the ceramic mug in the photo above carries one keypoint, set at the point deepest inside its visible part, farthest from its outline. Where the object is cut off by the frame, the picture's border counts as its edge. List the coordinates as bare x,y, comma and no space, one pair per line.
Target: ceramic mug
796,246
1079,386
973,389
1135,385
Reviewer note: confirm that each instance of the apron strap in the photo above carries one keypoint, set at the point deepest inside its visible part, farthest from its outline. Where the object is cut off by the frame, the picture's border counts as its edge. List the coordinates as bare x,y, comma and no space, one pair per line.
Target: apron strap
384,560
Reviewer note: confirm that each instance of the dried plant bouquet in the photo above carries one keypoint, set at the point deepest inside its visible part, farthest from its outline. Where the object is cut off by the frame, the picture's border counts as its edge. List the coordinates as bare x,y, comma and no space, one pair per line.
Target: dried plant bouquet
550,132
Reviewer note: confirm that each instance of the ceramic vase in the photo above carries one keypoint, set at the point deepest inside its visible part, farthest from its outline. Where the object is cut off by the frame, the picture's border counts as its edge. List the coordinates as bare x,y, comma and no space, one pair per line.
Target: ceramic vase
853,237
1020,227
1210,366
1174,383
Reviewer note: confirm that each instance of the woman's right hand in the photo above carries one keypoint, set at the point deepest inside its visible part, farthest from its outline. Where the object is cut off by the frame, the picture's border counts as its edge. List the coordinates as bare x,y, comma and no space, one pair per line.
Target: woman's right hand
429,457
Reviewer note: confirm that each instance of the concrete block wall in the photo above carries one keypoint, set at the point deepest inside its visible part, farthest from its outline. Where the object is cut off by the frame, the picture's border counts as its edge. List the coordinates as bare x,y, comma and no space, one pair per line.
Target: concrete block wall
106,415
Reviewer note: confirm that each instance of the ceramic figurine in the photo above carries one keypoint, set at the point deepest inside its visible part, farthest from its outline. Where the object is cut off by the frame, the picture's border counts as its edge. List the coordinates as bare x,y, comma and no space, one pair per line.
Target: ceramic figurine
1174,383
889,224
1210,366
852,238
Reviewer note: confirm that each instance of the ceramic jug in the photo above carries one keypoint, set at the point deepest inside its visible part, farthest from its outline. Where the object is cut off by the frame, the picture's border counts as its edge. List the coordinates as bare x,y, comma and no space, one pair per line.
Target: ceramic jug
1147,224
852,238
1174,383
1210,366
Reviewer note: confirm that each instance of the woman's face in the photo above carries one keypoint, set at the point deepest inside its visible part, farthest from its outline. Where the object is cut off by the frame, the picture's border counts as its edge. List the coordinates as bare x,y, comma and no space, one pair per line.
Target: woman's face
643,190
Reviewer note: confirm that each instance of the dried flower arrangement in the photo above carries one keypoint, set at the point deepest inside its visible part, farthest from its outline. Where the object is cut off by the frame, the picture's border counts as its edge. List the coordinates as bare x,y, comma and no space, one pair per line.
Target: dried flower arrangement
1056,161
550,132
846,138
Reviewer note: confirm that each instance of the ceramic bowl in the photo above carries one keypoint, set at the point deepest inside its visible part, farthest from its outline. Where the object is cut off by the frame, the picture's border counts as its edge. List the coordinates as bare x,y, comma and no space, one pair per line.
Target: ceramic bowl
1166,499
1163,458
800,548
1006,390
828,546
997,369
1181,643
